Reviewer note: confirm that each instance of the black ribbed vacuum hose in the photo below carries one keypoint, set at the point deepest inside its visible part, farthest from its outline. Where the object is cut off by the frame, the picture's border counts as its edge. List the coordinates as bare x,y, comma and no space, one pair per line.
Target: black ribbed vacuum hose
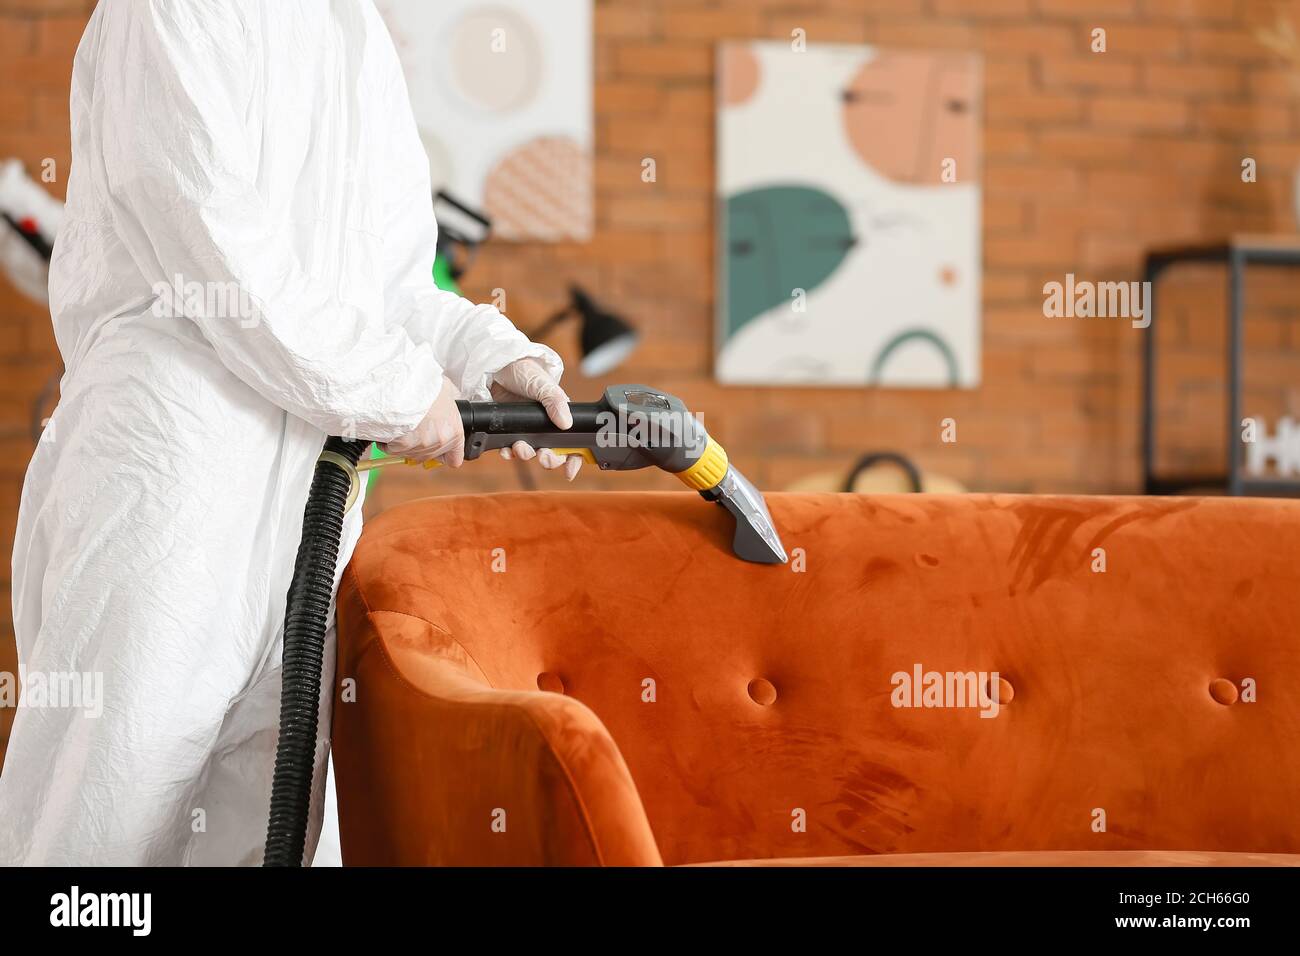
305,620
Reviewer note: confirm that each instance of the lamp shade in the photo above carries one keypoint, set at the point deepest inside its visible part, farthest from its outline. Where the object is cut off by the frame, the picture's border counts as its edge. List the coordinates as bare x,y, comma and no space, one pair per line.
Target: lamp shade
606,339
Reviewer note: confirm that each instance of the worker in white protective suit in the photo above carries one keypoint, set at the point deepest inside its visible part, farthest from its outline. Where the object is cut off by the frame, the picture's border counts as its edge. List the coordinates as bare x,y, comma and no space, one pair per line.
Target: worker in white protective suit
245,268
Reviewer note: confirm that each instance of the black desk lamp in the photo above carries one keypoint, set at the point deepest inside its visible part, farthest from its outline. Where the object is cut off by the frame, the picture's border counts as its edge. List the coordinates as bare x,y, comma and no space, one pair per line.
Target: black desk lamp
605,338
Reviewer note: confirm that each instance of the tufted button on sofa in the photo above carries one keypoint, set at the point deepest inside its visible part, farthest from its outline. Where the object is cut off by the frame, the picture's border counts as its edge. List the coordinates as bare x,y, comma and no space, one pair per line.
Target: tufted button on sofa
576,678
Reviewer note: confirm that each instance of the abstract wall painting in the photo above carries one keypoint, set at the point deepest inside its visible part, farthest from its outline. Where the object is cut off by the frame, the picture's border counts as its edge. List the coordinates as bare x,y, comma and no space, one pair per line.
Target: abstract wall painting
502,91
849,239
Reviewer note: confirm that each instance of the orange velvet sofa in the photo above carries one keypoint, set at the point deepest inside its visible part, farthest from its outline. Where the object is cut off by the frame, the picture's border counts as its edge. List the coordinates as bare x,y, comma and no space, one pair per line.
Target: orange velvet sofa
576,678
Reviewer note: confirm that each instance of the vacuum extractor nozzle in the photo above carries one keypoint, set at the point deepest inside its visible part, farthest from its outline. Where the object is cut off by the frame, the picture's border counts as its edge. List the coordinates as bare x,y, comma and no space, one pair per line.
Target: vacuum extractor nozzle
632,427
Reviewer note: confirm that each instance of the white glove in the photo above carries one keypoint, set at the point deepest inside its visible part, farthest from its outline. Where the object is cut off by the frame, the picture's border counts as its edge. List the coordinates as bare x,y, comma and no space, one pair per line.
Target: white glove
439,436
528,380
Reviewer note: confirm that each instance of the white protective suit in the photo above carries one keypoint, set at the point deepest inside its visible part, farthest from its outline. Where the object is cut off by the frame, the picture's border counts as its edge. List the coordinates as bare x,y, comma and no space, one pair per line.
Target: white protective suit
267,145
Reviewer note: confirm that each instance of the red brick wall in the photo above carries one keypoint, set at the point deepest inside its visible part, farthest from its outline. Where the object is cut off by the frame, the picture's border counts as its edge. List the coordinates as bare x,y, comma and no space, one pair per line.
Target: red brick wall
1089,158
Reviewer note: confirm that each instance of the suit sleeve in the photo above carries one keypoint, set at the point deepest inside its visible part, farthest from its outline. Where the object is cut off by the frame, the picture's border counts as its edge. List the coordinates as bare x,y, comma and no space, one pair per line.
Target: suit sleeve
180,161
470,341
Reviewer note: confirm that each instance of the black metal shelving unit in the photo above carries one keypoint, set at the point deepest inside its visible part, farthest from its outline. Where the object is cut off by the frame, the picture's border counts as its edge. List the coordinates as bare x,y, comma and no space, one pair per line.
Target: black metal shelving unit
1236,253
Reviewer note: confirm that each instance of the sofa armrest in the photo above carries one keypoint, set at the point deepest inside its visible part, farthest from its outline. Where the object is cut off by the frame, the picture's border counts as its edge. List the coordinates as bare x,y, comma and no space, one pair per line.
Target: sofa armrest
436,768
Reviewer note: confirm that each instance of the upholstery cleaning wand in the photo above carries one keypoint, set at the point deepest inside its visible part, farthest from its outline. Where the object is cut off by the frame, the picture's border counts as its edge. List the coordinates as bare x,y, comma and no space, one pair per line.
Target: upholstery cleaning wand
630,428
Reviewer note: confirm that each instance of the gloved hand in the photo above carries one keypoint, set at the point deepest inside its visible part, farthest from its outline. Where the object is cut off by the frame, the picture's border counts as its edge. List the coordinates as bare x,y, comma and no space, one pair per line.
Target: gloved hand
439,435
528,380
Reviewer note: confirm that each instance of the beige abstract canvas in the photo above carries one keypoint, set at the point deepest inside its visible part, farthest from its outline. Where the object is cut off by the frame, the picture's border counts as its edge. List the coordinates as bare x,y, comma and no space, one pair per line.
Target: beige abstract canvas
502,90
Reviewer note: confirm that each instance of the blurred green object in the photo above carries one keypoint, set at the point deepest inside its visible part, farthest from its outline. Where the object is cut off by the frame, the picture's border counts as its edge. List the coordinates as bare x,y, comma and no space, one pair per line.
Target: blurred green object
442,275
444,280
374,474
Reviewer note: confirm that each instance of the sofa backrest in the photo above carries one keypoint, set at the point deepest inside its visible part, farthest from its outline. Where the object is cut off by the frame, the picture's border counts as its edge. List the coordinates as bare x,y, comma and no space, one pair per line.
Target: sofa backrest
1147,653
